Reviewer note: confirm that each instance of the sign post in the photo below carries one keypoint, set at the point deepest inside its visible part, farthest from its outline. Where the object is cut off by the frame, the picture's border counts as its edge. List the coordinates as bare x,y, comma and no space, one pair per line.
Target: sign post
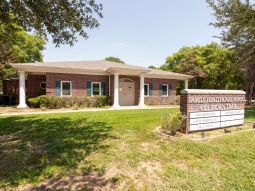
211,109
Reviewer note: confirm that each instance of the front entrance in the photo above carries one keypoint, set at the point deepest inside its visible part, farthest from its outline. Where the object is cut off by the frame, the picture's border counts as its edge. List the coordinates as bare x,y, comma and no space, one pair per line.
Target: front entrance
126,92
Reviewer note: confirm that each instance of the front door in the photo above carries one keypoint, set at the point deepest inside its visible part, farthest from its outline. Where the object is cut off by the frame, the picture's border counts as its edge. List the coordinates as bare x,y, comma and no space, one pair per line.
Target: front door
126,92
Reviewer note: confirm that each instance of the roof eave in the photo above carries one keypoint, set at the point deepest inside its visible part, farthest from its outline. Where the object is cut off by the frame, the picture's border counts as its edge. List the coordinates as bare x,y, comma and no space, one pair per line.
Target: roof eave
170,76
127,71
46,69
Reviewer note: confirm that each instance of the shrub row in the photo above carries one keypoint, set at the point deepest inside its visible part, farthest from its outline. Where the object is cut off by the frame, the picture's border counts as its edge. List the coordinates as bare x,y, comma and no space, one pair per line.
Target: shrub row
55,102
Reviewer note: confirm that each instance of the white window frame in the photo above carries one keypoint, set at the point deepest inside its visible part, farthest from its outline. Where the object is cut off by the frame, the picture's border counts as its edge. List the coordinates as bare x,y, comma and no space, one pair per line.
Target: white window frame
148,90
99,88
61,89
166,90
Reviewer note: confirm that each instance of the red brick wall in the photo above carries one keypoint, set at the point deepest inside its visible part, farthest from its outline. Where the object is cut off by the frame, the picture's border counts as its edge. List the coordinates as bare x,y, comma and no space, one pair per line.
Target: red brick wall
33,87
157,82
79,82
11,87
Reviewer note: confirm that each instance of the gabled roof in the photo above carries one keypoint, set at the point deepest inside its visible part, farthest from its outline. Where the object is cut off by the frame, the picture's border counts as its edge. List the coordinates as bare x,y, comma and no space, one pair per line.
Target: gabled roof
100,67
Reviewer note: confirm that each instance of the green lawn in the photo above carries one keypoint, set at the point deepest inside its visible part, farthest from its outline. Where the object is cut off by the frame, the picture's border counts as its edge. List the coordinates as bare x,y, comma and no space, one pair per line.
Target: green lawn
120,150
250,114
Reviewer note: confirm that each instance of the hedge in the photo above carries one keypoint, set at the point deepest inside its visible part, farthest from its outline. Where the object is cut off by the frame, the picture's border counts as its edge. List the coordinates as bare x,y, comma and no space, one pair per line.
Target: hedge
55,102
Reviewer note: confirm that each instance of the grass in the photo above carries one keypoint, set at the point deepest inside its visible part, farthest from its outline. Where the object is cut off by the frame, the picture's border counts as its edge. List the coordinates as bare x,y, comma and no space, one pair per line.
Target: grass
250,114
120,149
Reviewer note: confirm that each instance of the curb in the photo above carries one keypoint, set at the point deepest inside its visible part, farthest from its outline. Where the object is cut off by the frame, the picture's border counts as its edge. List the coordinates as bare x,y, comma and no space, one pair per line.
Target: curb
202,139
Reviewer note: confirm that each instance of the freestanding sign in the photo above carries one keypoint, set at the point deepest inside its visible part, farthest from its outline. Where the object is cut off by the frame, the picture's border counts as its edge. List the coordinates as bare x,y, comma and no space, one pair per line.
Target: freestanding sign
211,109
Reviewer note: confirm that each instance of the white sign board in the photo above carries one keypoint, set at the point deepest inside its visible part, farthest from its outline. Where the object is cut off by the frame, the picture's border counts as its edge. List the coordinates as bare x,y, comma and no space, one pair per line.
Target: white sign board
216,119
211,109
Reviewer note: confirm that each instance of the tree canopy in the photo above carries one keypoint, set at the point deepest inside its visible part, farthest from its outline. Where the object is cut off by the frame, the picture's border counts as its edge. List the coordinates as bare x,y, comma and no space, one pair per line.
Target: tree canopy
16,45
153,67
114,59
236,18
63,20
212,65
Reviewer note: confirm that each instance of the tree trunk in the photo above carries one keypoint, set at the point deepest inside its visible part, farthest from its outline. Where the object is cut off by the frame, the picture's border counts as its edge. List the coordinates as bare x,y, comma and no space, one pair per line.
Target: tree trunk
249,91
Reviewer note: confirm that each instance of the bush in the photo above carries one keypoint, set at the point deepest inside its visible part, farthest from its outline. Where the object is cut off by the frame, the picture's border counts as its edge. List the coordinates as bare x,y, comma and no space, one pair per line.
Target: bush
34,102
55,102
171,123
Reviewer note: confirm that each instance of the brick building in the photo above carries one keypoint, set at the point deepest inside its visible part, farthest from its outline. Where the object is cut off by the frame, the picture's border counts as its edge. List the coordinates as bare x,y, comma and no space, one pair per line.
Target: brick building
125,84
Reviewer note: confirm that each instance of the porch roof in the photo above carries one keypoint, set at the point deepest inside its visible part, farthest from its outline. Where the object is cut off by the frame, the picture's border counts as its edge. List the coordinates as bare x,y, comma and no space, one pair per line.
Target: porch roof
97,67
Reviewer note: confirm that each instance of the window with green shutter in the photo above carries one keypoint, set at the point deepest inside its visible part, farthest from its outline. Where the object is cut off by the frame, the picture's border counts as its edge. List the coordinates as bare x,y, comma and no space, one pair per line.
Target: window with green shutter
160,90
103,88
58,88
163,90
170,89
151,89
89,88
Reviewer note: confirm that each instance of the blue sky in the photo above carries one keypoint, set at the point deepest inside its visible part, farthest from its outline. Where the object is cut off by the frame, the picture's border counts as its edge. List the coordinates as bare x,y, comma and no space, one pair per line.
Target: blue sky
141,32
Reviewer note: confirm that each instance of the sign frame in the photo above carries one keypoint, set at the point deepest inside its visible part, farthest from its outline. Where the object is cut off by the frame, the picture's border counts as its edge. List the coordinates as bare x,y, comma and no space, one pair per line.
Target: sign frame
207,110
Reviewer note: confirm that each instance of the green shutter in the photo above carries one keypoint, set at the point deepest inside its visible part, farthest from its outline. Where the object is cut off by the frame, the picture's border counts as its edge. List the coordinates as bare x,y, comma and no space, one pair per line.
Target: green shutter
170,89
89,91
103,92
151,89
58,88
160,90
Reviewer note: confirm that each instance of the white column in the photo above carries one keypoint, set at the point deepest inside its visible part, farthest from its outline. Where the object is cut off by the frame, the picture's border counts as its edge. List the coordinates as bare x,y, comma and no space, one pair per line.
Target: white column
186,84
141,97
22,90
116,91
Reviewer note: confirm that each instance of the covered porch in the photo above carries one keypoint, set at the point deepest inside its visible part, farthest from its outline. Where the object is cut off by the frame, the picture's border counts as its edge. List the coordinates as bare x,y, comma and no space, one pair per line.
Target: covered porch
127,85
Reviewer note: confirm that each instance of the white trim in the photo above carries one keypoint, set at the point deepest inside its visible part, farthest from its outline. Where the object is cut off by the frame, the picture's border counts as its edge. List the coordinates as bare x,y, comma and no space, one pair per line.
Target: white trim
123,80
22,90
148,90
71,89
100,93
205,91
186,82
141,97
116,104
166,90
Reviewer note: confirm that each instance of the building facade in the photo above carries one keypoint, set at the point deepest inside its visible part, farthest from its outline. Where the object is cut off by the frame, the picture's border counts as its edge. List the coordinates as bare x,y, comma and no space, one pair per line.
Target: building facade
125,84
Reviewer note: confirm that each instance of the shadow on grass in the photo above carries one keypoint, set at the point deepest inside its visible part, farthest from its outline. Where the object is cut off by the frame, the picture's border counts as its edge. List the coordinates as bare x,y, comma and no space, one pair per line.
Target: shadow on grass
250,113
30,145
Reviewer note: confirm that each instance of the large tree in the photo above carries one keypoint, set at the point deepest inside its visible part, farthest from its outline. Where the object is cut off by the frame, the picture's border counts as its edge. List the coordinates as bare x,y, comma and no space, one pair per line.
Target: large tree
114,59
16,45
64,20
236,18
212,65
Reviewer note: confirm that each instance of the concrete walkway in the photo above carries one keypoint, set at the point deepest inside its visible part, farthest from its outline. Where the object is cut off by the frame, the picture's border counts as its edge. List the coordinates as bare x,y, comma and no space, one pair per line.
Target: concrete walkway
27,112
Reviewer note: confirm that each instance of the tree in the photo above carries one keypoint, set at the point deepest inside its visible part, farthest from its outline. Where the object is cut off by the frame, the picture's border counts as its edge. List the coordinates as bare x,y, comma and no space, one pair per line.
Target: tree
16,45
153,67
236,18
212,66
62,19
114,59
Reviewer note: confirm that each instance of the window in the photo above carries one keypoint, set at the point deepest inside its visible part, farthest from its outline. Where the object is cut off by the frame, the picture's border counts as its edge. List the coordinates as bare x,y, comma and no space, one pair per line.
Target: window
43,85
66,88
164,89
96,88
146,89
